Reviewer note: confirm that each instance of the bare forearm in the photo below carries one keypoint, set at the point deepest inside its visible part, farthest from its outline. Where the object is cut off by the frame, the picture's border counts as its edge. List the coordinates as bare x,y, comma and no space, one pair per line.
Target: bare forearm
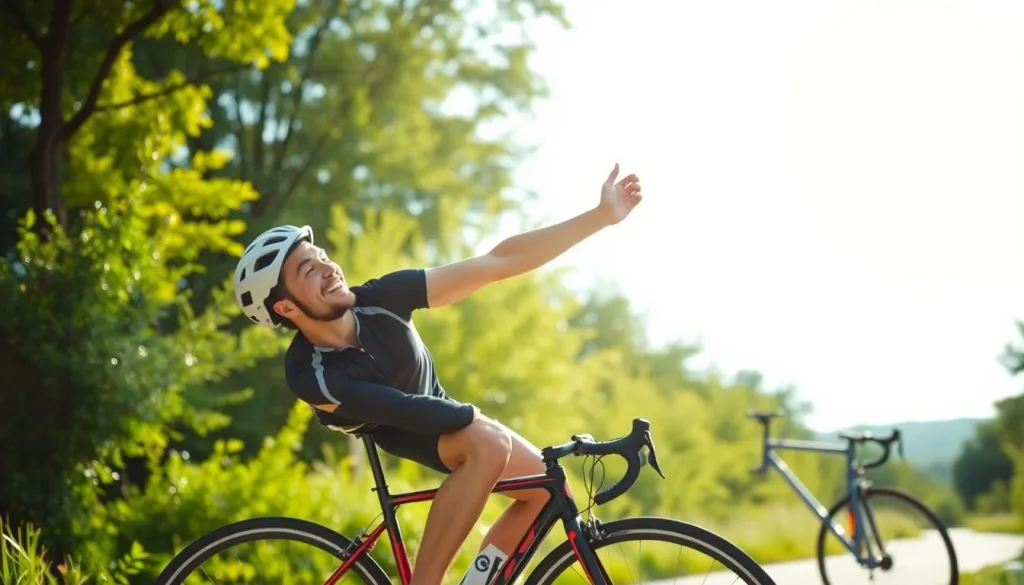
533,249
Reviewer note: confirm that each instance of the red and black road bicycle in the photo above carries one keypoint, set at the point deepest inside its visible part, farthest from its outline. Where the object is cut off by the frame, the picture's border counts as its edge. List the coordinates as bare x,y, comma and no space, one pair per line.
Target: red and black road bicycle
585,539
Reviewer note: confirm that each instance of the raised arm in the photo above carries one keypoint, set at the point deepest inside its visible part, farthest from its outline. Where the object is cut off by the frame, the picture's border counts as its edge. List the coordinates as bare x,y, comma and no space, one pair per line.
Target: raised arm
532,249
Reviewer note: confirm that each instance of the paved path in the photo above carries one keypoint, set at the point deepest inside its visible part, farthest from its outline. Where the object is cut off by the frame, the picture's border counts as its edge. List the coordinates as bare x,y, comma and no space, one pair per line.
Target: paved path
974,550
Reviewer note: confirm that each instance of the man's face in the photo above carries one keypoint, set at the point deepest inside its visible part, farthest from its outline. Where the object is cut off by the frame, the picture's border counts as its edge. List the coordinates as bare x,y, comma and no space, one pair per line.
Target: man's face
315,284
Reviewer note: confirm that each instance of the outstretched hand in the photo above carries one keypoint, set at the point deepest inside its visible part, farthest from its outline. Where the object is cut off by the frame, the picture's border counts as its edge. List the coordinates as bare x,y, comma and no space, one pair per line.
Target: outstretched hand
618,199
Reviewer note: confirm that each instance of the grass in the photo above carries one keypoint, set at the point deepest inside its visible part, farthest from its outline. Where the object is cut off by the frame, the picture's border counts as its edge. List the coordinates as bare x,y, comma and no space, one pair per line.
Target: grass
1003,522
22,560
992,575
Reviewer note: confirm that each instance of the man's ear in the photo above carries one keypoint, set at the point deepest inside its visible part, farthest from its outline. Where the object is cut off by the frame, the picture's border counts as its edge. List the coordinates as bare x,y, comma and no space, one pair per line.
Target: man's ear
285,308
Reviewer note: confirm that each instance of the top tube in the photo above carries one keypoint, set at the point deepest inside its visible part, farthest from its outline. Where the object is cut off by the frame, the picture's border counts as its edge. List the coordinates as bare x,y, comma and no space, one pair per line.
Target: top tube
805,445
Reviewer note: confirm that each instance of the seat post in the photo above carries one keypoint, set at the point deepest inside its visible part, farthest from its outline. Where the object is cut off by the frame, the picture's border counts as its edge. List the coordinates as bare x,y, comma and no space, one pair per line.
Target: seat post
373,457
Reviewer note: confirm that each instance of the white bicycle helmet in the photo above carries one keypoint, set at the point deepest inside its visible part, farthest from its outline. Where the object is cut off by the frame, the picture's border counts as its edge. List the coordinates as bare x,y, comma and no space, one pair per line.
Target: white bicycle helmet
259,268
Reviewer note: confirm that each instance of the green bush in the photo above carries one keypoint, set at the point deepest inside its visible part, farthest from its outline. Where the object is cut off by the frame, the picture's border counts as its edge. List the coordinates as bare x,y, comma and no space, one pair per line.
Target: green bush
24,561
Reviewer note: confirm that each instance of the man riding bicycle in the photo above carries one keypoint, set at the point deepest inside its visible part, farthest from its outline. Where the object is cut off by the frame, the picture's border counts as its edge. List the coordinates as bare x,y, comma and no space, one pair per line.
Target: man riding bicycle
357,359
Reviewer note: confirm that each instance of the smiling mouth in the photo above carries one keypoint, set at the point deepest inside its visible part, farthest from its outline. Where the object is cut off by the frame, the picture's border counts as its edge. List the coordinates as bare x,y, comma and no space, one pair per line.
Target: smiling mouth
335,287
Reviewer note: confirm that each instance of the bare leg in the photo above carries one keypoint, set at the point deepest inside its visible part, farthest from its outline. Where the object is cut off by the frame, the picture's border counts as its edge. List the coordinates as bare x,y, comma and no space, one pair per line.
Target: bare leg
516,519
477,456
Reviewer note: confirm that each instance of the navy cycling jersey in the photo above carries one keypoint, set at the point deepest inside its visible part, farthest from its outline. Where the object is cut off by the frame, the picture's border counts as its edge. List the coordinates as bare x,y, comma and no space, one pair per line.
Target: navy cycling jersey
389,381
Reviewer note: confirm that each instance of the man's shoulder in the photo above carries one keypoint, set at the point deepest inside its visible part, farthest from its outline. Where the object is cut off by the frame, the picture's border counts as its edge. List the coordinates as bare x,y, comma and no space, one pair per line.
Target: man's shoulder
401,291
400,278
302,358
298,358
304,370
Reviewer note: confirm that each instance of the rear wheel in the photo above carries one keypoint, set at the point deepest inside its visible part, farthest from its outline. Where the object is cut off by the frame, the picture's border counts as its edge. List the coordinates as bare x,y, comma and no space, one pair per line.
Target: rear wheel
665,549
902,532
274,550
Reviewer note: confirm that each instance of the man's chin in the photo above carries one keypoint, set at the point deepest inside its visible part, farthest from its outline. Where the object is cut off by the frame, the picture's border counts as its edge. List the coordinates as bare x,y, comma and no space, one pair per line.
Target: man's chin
332,314
328,317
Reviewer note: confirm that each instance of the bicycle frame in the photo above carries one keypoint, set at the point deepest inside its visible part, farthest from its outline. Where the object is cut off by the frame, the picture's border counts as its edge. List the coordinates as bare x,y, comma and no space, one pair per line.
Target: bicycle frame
857,514
561,505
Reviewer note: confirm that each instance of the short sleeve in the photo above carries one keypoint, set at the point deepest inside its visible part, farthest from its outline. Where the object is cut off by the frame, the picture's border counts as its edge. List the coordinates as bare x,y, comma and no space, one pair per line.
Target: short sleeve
401,292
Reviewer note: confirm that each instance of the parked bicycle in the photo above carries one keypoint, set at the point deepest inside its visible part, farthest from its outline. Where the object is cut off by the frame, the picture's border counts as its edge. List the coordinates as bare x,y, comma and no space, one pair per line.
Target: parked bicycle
860,535
581,555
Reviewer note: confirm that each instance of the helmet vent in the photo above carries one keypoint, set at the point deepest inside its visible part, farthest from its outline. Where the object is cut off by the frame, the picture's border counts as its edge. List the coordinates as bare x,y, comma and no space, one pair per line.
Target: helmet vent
246,299
264,261
274,240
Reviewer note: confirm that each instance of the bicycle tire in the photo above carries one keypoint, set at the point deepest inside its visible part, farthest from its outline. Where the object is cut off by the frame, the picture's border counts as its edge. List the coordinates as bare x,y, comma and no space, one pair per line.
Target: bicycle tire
915,503
263,528
655,528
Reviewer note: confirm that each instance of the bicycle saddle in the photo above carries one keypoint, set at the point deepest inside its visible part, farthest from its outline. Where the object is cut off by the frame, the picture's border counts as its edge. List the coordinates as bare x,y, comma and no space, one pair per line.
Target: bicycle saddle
765,415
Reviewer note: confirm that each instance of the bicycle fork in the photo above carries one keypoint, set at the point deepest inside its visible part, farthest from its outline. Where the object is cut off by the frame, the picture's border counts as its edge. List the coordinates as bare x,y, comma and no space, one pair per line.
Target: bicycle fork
866,539
579,536
580,543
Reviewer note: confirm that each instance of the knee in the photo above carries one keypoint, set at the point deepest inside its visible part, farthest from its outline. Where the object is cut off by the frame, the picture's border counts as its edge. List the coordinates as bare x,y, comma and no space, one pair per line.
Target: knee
486,445
492,446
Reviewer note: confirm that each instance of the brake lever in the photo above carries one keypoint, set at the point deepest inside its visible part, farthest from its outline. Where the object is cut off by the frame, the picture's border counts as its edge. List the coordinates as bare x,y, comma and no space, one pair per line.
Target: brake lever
652,456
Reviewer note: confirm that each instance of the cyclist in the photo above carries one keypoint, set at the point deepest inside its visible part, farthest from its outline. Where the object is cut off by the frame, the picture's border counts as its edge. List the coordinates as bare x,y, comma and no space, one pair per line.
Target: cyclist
357,359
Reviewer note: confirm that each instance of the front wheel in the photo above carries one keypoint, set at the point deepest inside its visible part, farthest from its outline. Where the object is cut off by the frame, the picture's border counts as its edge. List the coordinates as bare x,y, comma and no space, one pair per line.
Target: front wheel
908,539
665,549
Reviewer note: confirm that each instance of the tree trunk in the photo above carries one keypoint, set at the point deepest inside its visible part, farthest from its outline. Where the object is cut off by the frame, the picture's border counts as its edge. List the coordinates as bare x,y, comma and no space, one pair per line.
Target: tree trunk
44,168
46,157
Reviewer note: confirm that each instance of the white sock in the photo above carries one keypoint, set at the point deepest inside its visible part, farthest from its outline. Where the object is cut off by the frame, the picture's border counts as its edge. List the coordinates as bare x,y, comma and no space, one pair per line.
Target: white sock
484,566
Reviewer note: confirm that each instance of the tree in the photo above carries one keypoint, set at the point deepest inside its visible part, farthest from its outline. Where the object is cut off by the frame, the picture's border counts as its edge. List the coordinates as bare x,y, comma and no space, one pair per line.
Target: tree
981,464
1013,355
68,68
98,339
382,104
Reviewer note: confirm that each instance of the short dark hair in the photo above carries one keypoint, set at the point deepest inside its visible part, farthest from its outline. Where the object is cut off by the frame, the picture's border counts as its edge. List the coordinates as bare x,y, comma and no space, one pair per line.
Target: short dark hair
280,292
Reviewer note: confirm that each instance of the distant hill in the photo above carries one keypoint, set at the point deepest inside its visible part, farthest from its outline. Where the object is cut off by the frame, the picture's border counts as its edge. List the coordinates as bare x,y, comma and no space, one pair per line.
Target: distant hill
932,445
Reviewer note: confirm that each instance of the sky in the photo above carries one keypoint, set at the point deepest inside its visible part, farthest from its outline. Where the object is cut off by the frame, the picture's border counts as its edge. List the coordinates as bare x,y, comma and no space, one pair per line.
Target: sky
832,189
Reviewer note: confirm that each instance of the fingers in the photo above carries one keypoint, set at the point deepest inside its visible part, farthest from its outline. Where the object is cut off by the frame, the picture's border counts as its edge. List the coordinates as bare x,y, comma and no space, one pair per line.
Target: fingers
613,174
632,191
628,181
629,185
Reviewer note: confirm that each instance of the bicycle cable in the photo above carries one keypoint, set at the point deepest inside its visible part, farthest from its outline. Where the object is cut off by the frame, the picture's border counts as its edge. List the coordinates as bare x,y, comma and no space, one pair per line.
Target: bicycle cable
589,486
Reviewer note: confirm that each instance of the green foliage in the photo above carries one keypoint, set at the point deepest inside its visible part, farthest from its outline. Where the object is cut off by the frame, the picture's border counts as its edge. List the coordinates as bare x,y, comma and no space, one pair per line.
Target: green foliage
99,341
995,574
24,561
981,466
990,470
1004,522
1009,426
110,293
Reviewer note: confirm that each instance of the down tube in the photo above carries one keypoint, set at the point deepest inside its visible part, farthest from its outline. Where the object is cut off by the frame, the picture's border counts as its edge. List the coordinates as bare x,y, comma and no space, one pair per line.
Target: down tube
815,506
527,547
